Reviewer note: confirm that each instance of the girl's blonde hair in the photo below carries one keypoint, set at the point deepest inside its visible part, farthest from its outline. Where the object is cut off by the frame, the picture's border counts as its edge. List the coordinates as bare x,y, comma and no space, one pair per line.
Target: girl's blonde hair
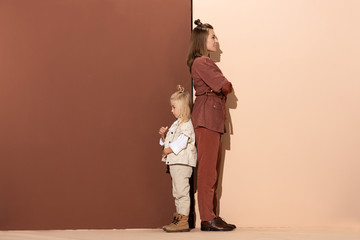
183,97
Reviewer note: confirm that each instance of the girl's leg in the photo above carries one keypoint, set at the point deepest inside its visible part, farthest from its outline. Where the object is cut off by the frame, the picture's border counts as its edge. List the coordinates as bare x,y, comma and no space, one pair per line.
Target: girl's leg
180,175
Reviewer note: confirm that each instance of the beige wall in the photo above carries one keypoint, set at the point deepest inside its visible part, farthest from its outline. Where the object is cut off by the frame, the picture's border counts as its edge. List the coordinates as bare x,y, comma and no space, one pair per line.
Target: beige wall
293,154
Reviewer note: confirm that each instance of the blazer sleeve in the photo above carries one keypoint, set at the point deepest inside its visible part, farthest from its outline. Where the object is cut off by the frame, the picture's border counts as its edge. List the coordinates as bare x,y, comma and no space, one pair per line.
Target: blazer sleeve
210,73
227,88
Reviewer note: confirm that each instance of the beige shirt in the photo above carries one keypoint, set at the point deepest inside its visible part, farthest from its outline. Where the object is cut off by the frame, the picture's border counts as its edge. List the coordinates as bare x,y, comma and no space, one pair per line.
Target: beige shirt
186,156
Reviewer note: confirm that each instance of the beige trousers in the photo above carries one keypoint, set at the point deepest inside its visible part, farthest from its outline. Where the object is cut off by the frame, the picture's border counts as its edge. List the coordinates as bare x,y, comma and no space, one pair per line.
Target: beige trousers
180,175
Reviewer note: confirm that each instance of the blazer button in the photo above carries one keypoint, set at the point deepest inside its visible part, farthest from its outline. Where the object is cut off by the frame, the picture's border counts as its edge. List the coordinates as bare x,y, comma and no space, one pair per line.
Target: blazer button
214,106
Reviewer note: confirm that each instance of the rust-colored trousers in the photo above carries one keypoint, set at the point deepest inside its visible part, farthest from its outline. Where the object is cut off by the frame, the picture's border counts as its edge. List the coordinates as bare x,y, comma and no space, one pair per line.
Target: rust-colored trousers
208,144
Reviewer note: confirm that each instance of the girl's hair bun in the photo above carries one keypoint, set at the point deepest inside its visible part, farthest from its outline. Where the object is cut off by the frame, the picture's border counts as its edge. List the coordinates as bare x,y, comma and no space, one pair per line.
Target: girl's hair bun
198,22
180,89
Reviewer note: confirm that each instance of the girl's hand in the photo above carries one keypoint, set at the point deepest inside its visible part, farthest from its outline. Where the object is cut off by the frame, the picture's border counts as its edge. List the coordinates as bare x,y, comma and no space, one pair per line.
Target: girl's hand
166,151
162,132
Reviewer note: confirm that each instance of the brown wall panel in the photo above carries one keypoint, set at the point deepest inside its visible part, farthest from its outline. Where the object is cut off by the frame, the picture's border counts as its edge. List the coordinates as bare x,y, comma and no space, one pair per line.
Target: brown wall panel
84,87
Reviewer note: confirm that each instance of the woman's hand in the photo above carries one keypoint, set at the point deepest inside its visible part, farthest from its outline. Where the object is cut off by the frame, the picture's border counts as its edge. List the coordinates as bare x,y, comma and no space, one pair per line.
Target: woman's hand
162,132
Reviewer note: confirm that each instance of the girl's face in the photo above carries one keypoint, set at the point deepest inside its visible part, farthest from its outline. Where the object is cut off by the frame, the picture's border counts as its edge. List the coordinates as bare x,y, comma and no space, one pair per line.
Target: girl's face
175,108
211,41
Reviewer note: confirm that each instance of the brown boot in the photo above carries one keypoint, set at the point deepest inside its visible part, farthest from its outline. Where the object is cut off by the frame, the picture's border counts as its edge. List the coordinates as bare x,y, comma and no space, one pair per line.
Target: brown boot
173,221
179,224
217,224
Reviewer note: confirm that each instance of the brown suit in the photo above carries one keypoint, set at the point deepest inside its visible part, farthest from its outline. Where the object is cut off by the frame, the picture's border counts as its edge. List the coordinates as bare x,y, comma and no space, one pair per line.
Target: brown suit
208,117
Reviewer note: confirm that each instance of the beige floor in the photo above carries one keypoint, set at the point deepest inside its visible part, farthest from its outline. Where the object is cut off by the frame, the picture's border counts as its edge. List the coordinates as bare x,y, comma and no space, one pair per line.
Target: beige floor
137,234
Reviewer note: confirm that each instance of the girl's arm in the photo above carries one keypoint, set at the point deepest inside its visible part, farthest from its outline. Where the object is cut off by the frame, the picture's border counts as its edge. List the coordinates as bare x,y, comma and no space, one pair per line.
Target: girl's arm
176,146
179,144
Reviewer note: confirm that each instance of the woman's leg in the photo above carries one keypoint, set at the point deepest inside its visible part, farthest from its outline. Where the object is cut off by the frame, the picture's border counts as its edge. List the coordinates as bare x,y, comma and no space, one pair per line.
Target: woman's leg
208,144
218,168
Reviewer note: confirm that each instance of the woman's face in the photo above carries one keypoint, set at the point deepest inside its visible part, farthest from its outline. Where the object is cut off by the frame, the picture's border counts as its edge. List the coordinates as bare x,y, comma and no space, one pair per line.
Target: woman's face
211,42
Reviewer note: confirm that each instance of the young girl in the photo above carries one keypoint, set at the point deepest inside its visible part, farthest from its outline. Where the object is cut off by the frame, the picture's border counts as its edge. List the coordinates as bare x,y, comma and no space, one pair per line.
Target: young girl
180,154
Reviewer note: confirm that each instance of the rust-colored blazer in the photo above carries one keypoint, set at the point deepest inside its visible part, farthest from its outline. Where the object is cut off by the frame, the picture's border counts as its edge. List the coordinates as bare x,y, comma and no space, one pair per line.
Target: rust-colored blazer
211,88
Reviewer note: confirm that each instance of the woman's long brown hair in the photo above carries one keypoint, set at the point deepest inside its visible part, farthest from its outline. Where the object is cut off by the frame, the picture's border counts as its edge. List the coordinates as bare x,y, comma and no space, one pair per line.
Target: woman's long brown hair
198,42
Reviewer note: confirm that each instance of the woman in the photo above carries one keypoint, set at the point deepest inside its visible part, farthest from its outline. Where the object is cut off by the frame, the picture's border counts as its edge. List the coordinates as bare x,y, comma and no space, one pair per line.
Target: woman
208,117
